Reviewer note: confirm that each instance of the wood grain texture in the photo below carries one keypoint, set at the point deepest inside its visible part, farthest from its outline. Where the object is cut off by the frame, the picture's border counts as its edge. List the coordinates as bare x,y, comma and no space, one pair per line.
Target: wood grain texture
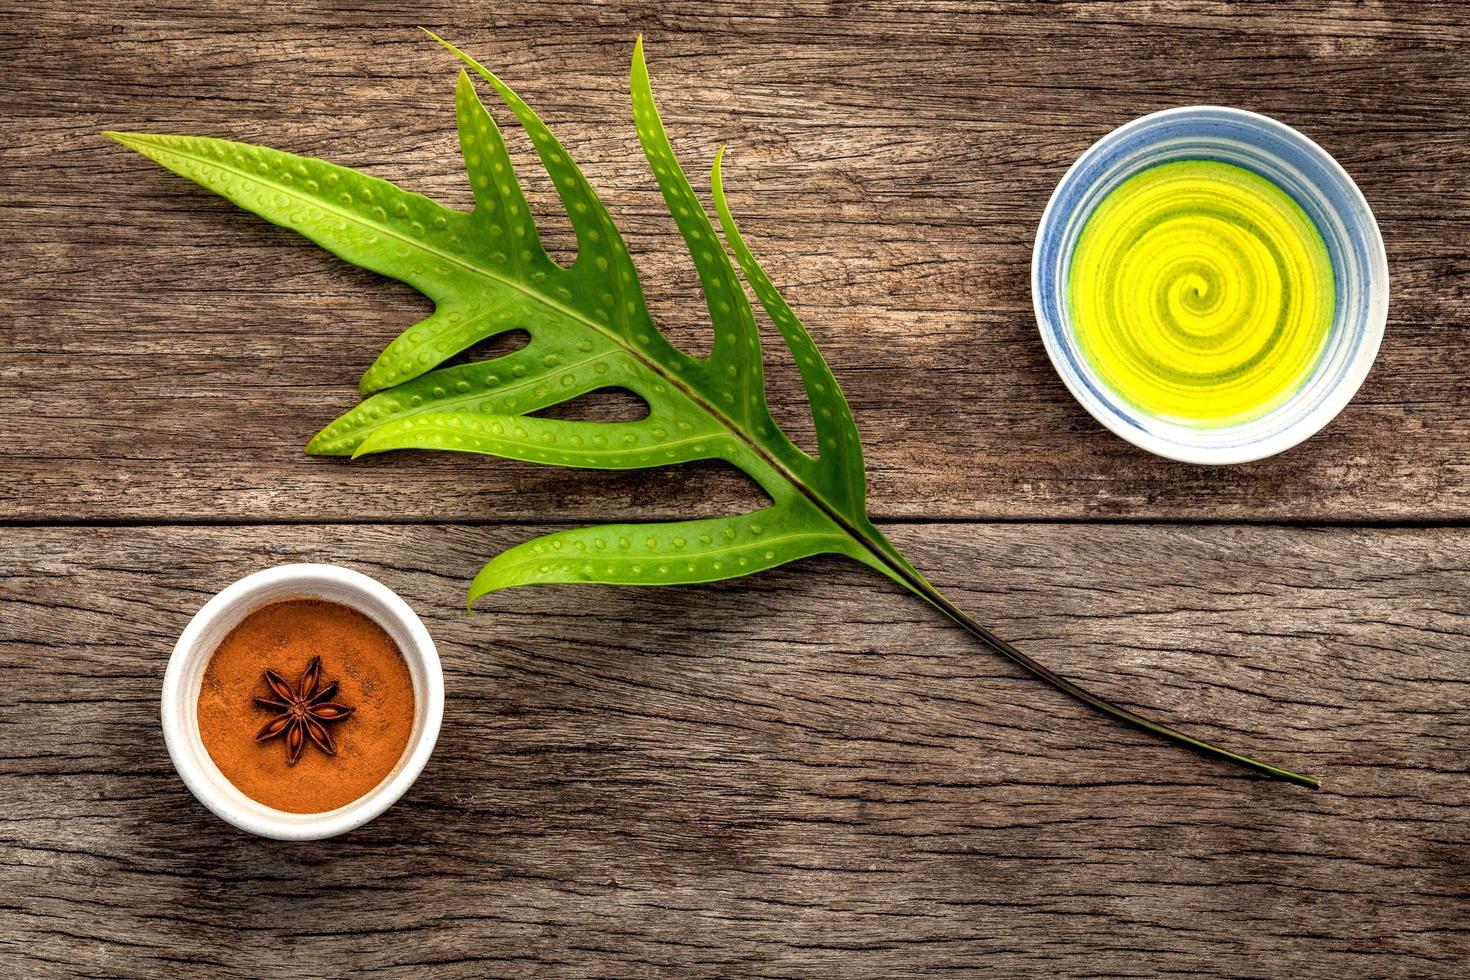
890,161
804,773
807,772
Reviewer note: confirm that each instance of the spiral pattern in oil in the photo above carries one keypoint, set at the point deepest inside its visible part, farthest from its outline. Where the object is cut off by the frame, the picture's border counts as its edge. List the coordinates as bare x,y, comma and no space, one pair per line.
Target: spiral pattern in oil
1201,292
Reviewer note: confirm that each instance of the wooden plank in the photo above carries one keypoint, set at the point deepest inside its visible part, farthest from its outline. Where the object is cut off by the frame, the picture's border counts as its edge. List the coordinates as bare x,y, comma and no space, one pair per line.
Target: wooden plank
169,356
802,773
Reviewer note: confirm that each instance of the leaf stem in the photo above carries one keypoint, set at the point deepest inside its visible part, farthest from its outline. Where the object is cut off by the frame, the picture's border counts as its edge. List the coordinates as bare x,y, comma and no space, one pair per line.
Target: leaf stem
944,605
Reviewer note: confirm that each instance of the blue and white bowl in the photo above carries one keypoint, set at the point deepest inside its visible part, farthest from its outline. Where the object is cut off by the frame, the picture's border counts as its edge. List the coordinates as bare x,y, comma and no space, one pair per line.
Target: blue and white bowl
1314,180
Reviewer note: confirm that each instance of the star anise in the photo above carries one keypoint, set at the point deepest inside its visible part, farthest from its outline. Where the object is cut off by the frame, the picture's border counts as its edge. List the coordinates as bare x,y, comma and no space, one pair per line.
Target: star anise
302,711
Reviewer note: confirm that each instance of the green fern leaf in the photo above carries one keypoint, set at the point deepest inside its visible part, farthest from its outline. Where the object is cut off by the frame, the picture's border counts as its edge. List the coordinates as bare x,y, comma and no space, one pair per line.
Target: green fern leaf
487,273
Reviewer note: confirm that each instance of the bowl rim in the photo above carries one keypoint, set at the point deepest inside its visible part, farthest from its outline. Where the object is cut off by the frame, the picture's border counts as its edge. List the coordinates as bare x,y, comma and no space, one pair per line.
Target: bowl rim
179,696
1308,424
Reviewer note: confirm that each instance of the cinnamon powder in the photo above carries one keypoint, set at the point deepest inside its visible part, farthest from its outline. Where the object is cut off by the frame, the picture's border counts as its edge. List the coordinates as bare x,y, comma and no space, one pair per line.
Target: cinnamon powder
372,677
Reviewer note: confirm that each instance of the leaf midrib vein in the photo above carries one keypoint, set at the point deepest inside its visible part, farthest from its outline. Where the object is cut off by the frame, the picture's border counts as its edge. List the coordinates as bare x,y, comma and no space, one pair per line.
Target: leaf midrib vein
575,450
703,553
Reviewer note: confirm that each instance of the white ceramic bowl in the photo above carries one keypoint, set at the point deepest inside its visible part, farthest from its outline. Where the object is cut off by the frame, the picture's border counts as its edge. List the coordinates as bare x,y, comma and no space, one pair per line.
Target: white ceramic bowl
1314,180
221,614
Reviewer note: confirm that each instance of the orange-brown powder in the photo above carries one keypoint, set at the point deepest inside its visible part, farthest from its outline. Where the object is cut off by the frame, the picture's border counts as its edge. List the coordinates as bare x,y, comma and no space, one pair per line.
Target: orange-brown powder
372,676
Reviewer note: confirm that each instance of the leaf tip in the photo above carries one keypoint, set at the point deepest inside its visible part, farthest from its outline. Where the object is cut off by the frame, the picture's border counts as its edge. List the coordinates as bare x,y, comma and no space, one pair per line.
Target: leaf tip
478,591
640,65
717,183
130,140
367,447
375,378
452,49
324,444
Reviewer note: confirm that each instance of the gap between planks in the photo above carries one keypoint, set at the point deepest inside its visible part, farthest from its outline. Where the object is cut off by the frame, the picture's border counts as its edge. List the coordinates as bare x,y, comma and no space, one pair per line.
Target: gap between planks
1328,523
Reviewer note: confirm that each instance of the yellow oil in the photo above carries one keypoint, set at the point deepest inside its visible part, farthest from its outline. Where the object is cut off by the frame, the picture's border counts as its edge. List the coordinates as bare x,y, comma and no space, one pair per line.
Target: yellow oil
1201,293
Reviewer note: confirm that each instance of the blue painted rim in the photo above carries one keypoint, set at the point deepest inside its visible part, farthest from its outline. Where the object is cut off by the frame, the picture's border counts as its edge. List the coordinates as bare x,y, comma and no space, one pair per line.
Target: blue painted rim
1314,180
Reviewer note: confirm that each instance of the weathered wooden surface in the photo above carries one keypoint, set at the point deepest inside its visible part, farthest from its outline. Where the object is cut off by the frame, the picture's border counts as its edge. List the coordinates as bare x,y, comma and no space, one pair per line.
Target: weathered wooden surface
804,773
890,162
